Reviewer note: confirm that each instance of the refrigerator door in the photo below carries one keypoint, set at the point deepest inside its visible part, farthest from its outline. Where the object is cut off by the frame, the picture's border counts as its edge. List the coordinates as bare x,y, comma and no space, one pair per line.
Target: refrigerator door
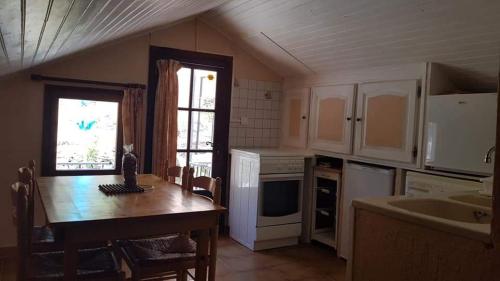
460,130
360,181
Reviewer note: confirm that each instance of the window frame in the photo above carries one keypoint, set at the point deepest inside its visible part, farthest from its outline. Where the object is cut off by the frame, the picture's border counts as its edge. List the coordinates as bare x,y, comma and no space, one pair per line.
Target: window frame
50,123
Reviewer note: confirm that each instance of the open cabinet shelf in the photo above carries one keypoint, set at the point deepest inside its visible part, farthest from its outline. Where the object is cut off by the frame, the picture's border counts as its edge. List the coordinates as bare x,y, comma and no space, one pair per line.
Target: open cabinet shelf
325,206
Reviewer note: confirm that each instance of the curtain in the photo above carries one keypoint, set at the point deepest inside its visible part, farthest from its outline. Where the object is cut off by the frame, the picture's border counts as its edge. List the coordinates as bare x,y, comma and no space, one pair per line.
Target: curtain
165,126
132,120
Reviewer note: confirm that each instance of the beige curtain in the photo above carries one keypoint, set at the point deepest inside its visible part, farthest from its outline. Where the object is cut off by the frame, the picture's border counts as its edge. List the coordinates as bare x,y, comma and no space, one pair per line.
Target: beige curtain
165,127
132,119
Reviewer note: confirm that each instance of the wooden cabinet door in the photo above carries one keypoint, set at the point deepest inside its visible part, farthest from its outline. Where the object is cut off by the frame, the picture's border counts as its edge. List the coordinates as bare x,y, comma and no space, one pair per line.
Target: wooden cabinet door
295,117
331,118
385,120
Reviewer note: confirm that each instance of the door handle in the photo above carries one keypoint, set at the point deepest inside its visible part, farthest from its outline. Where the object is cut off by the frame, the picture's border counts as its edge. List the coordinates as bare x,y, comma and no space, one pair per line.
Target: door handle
209,143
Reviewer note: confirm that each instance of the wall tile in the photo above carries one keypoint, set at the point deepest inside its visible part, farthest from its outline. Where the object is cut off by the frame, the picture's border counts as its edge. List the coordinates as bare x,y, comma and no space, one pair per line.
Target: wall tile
262,111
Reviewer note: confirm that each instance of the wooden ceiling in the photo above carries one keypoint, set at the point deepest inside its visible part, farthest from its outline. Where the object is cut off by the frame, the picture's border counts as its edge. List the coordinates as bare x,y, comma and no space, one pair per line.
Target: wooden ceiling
297,37
36,31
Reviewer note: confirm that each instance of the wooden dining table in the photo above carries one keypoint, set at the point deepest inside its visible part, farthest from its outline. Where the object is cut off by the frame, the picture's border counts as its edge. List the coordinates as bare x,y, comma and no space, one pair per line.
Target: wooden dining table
76,207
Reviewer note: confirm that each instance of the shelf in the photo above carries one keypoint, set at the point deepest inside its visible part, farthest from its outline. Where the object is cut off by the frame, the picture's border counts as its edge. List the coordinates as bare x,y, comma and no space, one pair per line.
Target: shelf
327,238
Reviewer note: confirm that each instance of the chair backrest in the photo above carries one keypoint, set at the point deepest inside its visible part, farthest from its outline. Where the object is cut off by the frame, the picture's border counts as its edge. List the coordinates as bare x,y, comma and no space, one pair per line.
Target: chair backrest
24,227
187,175
209,184
25,176
174,171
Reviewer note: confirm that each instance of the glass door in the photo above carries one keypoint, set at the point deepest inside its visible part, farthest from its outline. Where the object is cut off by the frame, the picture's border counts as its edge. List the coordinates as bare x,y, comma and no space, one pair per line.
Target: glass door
196,119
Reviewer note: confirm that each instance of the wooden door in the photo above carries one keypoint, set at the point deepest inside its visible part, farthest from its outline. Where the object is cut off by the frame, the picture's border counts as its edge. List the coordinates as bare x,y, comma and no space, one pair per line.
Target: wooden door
331,120
295,117
385,120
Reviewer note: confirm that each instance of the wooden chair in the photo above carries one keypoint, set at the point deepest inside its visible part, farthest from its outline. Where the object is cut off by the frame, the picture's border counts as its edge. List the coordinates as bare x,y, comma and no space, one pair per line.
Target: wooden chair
169,256
187,176
174,172
93,264
43,237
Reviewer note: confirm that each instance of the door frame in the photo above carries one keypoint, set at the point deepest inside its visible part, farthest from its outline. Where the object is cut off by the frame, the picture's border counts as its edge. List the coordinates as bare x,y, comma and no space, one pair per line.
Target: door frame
224,64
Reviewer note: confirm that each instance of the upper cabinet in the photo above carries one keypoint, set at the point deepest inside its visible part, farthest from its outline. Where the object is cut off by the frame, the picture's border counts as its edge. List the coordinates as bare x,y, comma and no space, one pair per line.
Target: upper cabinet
386,114
295,118
331,123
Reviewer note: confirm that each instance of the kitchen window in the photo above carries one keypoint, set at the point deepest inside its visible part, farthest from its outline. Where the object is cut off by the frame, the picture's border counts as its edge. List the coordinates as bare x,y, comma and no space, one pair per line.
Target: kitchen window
82,131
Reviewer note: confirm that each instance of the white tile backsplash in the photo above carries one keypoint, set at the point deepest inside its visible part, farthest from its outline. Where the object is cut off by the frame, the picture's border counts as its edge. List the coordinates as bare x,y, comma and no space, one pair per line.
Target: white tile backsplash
258,103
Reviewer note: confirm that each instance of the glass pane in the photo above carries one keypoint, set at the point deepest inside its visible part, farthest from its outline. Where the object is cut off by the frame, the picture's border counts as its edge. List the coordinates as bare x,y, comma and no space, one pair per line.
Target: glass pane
204,82
184,79
182,129
86,135
202,130
202,163
181,159
280,198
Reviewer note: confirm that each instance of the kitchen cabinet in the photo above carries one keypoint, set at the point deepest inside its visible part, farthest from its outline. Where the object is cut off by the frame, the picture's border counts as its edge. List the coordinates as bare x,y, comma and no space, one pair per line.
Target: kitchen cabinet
326,197
295,118
386,114
332,121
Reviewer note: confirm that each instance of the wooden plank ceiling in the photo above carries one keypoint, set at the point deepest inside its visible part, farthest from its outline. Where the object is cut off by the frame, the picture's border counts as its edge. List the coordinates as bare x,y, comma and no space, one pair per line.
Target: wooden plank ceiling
297,37
36,31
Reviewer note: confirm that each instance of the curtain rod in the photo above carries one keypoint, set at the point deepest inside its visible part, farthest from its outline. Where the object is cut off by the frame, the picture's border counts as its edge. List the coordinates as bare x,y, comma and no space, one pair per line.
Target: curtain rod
37,77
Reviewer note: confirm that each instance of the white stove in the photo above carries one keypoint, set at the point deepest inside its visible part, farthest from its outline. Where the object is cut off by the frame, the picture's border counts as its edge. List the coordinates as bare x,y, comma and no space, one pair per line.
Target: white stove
265,207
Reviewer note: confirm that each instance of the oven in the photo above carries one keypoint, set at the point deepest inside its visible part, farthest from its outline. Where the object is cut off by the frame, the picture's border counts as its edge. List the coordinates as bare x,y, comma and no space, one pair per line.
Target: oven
280,194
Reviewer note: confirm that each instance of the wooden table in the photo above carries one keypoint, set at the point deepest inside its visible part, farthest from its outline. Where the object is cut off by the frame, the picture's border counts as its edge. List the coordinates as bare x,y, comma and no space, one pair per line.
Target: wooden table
75,205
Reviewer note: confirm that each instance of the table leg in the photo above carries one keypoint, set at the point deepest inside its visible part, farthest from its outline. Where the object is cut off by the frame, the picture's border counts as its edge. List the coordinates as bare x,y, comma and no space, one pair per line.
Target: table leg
214,237
70,258
201,255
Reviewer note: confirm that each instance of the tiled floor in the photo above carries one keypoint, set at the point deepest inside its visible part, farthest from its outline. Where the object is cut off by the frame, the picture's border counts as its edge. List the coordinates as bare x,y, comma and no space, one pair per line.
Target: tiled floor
237,263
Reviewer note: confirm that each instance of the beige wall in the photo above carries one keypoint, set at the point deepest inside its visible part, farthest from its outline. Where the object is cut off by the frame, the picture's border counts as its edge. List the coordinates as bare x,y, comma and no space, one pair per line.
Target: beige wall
21,100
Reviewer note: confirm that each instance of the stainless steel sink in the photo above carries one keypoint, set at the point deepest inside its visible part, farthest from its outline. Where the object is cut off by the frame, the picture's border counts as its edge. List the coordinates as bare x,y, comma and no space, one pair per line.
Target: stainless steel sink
474,199
445,209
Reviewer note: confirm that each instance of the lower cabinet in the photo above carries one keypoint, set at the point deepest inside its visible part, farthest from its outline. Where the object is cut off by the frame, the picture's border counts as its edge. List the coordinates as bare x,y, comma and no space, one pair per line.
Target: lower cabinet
326,195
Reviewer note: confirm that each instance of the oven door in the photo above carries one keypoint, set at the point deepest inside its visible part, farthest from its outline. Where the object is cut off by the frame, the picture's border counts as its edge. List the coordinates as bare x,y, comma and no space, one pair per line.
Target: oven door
280,199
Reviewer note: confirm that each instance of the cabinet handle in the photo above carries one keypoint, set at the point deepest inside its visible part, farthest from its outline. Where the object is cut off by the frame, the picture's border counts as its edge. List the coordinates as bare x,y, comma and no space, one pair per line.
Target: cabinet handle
349,118
303,117
359,119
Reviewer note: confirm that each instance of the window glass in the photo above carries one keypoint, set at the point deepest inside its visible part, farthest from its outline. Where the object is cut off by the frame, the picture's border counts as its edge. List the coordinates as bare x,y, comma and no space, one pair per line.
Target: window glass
86,135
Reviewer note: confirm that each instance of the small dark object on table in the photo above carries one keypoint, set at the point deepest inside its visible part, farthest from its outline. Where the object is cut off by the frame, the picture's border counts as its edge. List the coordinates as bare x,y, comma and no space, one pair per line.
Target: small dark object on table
112,189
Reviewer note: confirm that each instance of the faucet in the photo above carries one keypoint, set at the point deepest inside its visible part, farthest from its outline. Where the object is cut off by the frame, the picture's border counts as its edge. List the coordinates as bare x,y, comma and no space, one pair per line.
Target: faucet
487,156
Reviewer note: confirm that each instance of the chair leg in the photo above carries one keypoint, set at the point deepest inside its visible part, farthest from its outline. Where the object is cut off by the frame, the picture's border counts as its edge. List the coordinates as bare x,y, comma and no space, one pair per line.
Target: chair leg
182,275
135,276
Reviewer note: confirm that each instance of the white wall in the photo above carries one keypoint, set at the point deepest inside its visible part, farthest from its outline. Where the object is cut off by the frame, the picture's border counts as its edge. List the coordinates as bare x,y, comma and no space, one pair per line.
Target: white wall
385,73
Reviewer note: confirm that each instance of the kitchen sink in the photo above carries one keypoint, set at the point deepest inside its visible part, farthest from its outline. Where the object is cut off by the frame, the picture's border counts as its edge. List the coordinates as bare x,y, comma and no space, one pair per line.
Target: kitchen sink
445,209
474,199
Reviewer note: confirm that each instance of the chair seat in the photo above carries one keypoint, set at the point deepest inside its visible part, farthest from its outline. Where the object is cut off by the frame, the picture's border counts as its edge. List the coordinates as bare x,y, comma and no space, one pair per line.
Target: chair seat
42,234
159,250
92,263
203,192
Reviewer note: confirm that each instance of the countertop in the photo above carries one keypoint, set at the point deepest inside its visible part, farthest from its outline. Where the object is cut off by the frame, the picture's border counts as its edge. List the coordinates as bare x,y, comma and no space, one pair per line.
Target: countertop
473,231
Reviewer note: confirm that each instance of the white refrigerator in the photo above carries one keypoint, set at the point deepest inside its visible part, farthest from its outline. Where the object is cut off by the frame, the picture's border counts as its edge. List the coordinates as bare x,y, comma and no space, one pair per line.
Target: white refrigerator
361,181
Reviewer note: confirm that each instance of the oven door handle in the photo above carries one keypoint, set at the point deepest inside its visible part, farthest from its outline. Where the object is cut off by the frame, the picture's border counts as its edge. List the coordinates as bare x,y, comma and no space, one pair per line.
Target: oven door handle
275,177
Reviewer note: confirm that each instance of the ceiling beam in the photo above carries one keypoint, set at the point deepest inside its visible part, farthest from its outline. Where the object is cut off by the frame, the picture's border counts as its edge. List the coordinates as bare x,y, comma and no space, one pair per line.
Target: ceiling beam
59,29
4,48
40,37
23,29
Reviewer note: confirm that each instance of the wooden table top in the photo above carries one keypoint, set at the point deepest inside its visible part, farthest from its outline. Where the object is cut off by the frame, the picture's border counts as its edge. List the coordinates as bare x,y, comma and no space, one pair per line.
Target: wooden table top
71,199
